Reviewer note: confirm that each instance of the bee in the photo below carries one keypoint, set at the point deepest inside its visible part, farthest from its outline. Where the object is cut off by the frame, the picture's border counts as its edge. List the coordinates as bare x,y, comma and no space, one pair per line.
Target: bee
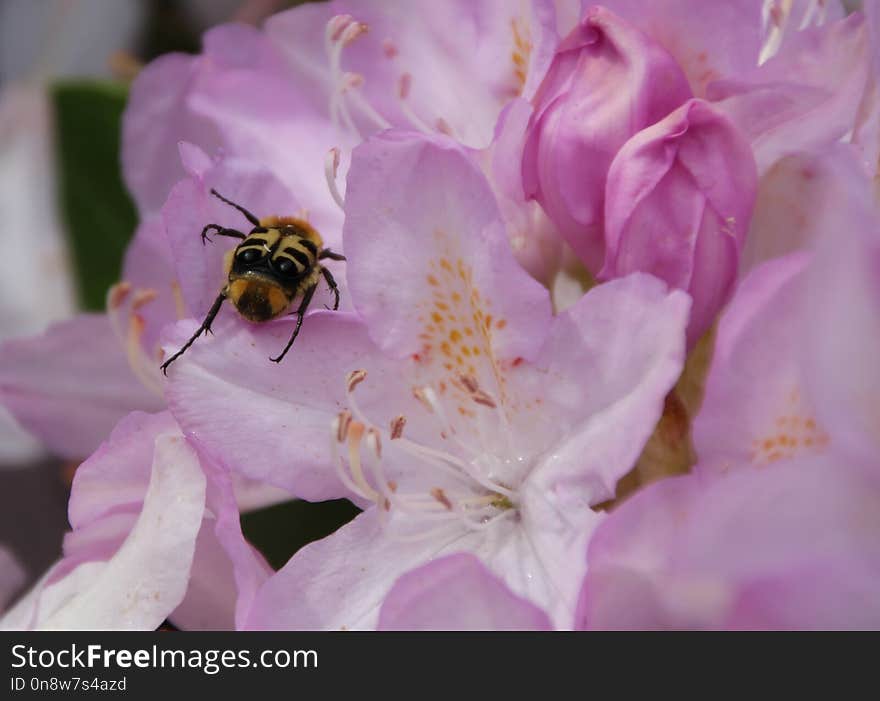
276,263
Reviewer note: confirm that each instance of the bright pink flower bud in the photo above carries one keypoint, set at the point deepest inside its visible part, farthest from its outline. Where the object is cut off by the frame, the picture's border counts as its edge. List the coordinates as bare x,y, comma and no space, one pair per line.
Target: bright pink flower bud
678,205
607,81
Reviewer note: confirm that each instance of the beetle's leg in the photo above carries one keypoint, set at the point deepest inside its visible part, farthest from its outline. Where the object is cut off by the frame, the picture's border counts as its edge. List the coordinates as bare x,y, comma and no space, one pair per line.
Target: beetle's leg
250,217
204,328
331,283
327,253
300,313
221,231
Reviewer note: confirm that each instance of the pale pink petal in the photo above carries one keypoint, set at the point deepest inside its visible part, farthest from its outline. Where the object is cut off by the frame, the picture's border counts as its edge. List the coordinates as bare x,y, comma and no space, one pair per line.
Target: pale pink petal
490,52
224,392
147,577
755,410
211,595
156,118
776,548
341,581
439,236
117,474
709,40
71,405
149,268
805,97
457,592
602,377
535,242
842,325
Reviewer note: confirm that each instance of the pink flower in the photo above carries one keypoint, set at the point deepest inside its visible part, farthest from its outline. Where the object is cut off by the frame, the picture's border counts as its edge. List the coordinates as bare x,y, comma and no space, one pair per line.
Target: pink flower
778,526
275,102
136,509
455,398
607,81
678,205
149,541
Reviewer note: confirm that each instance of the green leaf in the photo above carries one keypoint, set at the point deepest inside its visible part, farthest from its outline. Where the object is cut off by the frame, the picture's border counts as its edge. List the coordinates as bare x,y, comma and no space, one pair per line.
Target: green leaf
98,213
279,531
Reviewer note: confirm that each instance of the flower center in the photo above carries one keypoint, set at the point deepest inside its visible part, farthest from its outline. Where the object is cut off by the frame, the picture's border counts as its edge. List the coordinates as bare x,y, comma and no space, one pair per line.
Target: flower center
460,486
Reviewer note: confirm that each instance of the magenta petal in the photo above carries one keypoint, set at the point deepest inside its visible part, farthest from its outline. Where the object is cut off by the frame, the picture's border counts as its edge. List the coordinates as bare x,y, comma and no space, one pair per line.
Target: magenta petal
607,81
679,202
457,592
71,405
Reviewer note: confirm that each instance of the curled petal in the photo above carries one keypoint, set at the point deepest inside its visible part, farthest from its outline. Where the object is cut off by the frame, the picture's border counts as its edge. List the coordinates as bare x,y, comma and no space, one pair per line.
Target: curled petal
607,81
679,202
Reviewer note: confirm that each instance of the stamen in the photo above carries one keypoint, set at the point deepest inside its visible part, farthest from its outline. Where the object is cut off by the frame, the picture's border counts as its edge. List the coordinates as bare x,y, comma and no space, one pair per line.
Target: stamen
355,434
143,297
440,496
343,421
179,306
354,378
130,334
331,168
137,358
335,431
403,87
419,394
397,425
389,49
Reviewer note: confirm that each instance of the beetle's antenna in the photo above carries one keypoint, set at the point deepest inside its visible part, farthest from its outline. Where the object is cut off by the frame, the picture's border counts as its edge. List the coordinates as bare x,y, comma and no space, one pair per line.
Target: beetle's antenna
250,217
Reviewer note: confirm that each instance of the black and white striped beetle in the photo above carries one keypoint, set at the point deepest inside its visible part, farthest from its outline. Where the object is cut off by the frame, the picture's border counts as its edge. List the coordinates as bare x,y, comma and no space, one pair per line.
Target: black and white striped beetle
274,264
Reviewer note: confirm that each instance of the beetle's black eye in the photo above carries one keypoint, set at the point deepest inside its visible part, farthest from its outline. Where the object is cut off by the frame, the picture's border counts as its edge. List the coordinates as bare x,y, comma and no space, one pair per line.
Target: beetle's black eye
250,255
285,267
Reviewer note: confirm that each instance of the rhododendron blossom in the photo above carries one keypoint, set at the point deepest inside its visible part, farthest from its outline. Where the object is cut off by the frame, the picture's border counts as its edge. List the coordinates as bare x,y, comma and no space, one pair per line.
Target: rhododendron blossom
586,247
454,403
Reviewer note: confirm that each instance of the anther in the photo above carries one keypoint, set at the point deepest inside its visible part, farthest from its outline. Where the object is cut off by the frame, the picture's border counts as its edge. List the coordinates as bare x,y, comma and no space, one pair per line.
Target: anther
440,496
142,297
403,85
389,49
117,294
481,397
420,394
352,32
469,382
397,425
337,25
354,378
352,80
